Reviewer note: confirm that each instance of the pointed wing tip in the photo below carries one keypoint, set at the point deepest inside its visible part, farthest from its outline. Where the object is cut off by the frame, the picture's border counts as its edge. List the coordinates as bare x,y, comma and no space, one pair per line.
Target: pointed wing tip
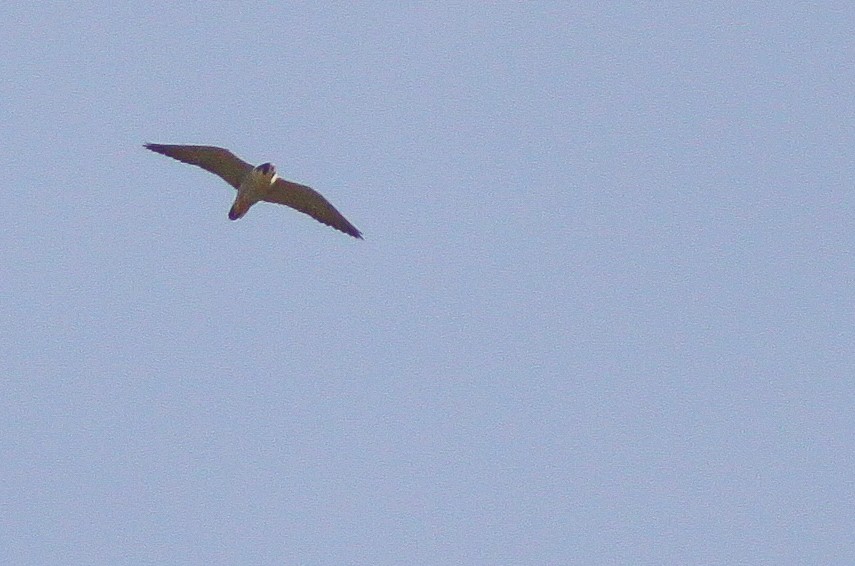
355,234
350,231
344,228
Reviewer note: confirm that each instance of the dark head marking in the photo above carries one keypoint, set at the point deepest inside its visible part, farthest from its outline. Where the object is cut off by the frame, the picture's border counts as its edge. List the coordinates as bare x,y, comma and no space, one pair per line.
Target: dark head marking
267,168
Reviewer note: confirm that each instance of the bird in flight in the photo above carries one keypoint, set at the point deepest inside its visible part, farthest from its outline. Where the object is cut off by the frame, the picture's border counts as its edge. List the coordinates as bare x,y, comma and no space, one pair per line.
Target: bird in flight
255,184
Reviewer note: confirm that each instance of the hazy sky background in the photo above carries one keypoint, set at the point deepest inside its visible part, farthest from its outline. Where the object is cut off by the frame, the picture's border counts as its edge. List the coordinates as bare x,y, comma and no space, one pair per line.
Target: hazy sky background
603,312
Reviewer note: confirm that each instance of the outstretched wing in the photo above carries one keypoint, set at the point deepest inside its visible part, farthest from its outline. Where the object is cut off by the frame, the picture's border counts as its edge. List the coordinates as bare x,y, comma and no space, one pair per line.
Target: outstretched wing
217,160
309,201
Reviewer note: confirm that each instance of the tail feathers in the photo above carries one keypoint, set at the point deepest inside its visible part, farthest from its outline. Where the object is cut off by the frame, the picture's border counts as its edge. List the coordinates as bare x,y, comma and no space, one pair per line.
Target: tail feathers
239,208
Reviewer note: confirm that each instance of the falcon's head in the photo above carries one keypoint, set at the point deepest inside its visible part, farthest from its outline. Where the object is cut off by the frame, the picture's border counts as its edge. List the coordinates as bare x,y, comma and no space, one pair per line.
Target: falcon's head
267,169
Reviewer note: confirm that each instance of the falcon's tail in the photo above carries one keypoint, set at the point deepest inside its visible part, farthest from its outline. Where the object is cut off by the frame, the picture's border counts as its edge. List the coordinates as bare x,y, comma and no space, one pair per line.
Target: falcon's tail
239,208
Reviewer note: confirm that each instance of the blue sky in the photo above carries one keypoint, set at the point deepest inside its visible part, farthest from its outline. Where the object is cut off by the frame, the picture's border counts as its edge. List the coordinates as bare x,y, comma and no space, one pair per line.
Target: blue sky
603,312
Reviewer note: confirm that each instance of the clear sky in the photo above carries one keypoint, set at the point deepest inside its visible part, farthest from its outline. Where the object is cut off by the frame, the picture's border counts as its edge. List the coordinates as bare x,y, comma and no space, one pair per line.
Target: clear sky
603,312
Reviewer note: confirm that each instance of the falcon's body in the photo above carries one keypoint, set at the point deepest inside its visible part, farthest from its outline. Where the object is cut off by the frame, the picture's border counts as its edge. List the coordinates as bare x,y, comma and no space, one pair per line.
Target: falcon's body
259,183
253,187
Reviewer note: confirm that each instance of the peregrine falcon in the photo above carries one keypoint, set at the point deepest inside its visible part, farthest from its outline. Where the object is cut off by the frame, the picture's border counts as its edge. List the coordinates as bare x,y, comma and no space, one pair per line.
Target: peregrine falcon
254,184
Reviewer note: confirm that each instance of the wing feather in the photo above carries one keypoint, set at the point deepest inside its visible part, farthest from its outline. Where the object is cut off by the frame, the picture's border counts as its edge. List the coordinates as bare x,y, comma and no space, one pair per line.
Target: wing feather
216,160
309,201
